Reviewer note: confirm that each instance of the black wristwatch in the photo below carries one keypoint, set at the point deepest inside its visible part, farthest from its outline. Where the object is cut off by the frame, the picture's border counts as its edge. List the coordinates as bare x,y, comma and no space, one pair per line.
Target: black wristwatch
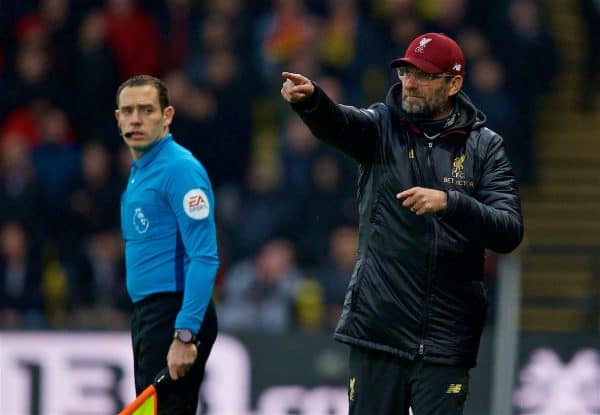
184,336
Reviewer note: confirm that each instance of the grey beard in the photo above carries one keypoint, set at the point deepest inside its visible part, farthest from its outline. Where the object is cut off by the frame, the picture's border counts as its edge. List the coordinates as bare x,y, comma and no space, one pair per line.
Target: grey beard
427,108
422,110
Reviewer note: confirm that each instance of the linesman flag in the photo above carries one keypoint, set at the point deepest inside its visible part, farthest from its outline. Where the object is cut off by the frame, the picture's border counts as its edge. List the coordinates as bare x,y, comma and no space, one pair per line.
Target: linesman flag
147,402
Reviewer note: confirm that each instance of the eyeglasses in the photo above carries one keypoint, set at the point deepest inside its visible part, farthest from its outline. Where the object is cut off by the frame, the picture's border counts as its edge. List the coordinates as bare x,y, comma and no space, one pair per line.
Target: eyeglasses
421,77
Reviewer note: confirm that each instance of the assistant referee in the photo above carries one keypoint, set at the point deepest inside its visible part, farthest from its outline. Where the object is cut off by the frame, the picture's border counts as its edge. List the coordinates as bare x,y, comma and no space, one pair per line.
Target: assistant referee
167,221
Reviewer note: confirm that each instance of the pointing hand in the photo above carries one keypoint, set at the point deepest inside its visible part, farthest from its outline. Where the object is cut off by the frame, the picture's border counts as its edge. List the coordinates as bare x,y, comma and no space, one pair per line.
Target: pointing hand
296,87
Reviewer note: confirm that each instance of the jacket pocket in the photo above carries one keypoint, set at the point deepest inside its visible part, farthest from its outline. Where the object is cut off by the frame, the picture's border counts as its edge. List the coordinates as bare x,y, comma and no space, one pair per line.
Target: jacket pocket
481,292
376,206
480,301
360,271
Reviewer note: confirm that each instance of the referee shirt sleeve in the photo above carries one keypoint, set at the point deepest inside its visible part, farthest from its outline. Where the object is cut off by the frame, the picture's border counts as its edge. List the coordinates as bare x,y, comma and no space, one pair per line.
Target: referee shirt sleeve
190,196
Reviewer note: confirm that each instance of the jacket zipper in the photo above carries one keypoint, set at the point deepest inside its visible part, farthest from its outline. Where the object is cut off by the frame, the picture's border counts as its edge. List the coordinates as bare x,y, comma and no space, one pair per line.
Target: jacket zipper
428,182
431,259
429,150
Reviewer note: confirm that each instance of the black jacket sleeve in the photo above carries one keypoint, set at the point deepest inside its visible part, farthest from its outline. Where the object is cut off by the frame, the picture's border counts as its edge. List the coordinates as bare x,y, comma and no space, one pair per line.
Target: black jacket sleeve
493,215
351,130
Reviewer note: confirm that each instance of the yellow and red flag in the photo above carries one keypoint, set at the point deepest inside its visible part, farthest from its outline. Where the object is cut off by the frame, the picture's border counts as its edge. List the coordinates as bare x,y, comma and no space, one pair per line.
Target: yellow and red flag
145,404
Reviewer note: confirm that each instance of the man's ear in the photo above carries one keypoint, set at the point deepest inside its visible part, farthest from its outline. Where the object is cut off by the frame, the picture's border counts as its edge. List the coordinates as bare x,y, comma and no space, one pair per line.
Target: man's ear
117,113
168,115
455,85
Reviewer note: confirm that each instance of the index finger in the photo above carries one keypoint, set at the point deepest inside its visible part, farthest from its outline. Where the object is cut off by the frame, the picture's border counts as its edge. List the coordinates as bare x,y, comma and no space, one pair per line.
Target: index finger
406,193
295,77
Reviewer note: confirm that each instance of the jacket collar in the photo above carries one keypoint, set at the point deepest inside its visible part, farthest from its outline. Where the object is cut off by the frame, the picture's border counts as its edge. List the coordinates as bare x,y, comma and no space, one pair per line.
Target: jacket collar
468,116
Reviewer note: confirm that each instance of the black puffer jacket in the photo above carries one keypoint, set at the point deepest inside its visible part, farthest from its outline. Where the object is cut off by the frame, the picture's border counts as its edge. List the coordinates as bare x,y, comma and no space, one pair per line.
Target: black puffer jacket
417,288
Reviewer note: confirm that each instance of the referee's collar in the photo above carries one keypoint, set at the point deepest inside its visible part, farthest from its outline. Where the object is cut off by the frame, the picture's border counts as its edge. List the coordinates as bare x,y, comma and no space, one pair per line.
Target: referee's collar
153,152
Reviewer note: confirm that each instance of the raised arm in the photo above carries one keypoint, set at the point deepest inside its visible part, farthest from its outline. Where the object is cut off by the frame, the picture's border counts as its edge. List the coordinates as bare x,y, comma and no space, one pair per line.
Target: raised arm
351,130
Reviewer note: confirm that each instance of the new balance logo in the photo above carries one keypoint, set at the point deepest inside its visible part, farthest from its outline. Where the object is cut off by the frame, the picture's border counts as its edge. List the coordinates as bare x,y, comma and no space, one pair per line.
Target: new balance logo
454,388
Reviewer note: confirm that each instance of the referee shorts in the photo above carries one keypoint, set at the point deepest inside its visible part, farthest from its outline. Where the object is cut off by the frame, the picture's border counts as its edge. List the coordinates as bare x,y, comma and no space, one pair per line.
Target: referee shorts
152,326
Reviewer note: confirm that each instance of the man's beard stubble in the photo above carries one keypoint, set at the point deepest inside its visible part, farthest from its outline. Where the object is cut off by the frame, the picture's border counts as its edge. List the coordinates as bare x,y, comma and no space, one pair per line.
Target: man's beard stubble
428,107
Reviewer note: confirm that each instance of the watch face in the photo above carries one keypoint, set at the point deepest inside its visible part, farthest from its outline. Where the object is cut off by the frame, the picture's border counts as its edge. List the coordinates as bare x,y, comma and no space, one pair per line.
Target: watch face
184,335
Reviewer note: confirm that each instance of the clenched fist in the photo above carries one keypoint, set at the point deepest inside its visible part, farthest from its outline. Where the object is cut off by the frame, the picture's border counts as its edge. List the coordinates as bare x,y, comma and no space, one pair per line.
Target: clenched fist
296,87
181,358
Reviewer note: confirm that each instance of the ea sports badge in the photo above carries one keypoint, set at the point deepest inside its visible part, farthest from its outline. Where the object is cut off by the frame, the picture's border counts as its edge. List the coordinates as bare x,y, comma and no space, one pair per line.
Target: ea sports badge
195,204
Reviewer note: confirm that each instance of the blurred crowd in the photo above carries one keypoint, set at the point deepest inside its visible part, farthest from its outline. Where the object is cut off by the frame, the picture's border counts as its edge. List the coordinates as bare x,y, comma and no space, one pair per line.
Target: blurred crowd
285,203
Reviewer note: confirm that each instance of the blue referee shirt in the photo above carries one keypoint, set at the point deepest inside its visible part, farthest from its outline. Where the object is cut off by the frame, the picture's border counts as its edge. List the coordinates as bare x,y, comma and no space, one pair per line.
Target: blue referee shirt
167,221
